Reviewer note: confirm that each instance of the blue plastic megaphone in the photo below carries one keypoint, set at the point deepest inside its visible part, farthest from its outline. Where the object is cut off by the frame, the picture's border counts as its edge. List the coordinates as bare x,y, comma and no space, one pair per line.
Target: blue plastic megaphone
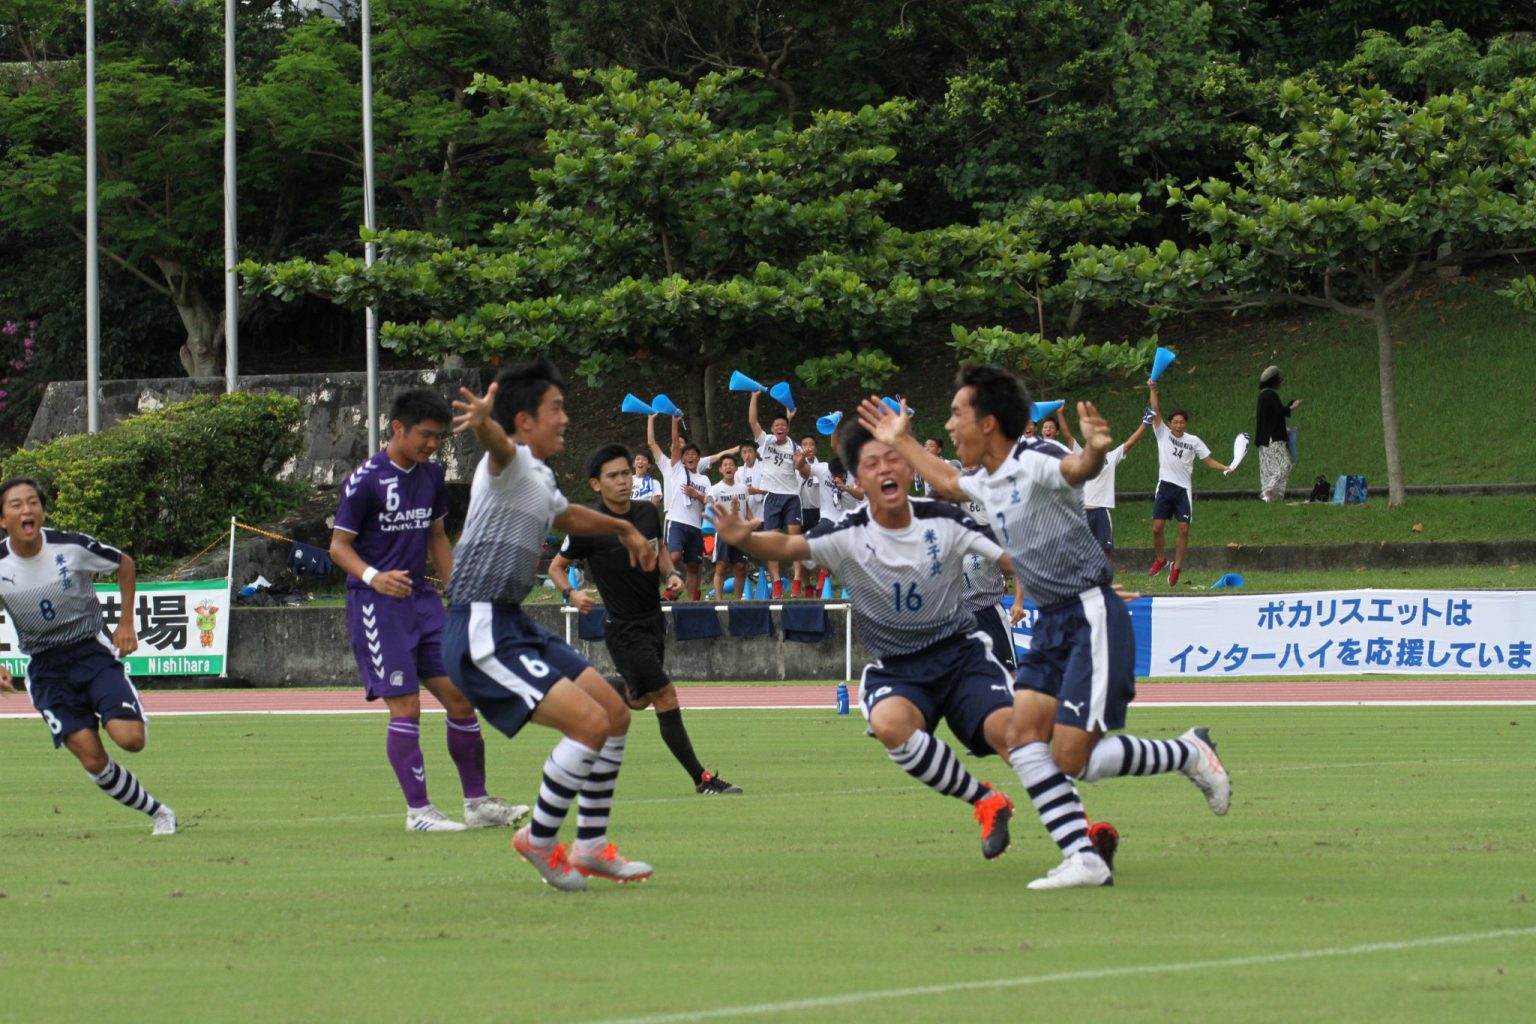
1160,361
1040,410
633,404
828,423
1231,580
741,382
895,405
780,393
663,405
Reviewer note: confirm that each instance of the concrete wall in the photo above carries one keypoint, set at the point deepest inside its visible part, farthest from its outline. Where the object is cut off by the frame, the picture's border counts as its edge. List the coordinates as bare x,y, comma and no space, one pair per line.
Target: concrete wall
1299,557
308,646
336,406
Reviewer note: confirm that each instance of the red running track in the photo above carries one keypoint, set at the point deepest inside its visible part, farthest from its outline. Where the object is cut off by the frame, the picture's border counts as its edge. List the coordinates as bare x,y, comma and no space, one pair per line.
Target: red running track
1202,692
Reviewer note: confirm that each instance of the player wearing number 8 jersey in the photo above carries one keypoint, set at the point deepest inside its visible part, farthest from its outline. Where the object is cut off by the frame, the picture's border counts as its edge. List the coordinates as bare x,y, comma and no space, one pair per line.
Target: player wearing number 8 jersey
1078,676
901,561
512,669
74,677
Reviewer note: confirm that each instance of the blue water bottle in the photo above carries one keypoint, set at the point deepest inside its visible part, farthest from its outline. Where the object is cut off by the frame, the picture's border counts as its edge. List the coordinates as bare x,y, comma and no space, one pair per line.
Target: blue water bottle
842,698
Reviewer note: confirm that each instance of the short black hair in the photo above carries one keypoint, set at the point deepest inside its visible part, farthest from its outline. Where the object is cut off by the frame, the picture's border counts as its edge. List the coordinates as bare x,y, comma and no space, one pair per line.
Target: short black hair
836,468
690,447
603,455
1177,412
728,455
420,406
855,437
776,419
521,388
996,392
934,440
23,481
808,437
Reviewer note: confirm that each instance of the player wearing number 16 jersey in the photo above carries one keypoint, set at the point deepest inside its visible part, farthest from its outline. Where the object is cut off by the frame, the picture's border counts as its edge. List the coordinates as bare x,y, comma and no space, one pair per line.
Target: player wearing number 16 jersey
901,561
74,677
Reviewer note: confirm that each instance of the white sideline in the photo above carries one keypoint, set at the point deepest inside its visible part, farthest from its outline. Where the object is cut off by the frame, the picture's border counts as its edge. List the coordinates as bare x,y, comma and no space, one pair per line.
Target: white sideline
1259,960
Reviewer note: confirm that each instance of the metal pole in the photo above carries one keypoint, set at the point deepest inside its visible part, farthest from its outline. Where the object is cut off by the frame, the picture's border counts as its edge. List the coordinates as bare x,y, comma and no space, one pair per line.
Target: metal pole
370,251
231,252
92,283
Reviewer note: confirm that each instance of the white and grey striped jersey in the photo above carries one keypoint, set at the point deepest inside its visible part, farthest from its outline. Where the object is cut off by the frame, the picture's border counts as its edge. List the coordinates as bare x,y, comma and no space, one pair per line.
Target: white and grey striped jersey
1038,517
906,586
497,557
51,597
984,584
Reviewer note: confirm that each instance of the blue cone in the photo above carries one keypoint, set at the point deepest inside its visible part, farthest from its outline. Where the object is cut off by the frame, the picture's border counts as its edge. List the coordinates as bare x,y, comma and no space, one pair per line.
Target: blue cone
828,423
780,393
633,404
1231,581
1160,361
826,589
845,594
741,382
663,405
1041,410
748,592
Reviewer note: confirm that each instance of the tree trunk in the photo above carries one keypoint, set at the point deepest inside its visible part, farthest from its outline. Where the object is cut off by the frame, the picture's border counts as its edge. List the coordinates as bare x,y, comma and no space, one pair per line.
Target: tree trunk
709,404
203,353
696,408
1384,358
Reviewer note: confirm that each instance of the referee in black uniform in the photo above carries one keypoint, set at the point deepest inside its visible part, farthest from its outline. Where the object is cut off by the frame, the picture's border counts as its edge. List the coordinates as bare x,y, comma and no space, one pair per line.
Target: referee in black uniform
635,630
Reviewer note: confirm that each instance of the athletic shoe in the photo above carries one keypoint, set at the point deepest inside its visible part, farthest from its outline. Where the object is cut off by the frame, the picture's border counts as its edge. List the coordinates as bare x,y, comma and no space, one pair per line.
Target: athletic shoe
794,589
1079,871
1173,576
493,812
429,819
1106,840
993,812
550,862
165,822
1206,771
714,785
1157,567
610,863
778,589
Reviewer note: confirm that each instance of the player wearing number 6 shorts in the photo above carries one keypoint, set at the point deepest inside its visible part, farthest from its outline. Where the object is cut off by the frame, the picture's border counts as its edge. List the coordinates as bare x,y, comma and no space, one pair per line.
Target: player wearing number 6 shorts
75,676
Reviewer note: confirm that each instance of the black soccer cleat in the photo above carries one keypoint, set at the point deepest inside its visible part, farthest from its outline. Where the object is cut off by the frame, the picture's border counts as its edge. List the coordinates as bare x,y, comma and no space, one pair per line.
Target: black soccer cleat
714,785
1106,841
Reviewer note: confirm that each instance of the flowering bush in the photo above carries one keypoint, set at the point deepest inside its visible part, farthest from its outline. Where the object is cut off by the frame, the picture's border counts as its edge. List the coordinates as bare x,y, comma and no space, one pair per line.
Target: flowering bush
19,392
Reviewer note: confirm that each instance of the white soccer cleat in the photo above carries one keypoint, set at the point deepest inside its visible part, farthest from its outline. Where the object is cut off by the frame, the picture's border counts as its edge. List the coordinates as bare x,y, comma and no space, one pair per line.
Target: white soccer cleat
1205,770
550,862
610,863
1079,871
429,819
165,822
494,812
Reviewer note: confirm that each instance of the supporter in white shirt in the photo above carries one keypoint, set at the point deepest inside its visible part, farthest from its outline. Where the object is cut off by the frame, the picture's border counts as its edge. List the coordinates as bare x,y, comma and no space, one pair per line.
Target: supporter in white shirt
1099,493
777,475
730,491
1177,451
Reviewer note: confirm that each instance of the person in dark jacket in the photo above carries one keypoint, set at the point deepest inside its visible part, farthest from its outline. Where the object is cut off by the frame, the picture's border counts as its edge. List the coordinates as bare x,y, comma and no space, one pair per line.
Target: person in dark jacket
1270,435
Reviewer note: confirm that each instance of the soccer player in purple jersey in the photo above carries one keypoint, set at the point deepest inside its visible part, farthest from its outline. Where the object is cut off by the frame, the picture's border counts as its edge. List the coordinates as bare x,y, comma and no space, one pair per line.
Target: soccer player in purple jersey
75,676
389,523
513,669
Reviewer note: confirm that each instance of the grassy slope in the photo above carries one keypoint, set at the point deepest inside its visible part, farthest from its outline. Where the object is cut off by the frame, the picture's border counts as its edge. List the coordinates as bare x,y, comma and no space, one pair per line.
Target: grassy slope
294,894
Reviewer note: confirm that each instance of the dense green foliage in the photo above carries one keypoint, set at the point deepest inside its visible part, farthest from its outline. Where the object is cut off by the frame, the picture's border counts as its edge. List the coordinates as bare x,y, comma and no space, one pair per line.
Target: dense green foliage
161,482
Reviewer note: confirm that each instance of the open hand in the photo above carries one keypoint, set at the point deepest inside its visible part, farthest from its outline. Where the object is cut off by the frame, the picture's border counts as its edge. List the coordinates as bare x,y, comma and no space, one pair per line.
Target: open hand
885,424
470,411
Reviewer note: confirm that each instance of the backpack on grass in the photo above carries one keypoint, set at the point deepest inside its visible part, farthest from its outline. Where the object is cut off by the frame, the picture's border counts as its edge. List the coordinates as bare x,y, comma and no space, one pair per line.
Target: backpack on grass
1320,490
1350,490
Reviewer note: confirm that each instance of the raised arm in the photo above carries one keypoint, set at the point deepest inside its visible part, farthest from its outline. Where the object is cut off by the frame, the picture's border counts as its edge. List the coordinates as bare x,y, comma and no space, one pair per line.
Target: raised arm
1130,442
893,428
1085,465
1066,428
650,439
475,414
752,420
1157,408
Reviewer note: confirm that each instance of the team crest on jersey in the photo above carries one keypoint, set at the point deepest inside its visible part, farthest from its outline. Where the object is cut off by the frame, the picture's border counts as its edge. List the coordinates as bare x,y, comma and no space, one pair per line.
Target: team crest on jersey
397,678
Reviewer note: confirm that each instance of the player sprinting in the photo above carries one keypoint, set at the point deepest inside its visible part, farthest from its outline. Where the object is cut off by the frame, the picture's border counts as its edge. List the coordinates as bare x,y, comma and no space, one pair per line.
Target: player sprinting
512,669
777,475
75,676
900,560
389,523
635,631
1078,677
1177,450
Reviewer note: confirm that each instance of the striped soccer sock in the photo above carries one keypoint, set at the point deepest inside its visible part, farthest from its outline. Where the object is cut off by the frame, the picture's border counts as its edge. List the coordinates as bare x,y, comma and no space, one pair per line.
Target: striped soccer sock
565,771
119,784
402,745
1054,796
1131,755
595,803
931,762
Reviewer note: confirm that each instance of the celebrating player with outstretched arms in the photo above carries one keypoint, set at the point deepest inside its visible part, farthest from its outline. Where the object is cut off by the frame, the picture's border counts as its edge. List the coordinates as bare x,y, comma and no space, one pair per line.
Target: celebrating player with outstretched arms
1078,677
512,669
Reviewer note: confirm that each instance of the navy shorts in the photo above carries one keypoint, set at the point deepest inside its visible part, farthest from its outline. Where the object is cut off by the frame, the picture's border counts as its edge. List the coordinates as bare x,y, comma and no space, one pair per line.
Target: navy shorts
686,543
728,554
809,517
957,679
1102,528
1083,653
638,647
504,662
397,641
781,511
1170,502
76,687
993,621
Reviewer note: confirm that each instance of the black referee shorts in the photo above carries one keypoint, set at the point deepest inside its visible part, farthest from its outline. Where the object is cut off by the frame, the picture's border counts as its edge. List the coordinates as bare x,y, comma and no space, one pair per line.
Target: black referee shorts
638,647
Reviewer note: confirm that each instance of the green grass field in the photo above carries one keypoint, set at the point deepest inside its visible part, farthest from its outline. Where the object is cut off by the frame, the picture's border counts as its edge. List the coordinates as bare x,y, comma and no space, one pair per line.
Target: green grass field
294,894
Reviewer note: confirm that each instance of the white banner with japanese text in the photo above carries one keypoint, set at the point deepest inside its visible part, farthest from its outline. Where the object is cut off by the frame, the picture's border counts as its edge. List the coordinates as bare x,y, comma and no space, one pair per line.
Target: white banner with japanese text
1430,632
183,628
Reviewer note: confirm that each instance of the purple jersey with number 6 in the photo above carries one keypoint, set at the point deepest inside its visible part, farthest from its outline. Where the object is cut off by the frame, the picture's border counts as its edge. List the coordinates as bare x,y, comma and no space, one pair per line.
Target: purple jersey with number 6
391,511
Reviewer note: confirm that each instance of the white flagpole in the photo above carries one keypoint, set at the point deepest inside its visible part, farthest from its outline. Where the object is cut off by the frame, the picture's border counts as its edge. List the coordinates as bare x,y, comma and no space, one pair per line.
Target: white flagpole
92,283
231,252
370,250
